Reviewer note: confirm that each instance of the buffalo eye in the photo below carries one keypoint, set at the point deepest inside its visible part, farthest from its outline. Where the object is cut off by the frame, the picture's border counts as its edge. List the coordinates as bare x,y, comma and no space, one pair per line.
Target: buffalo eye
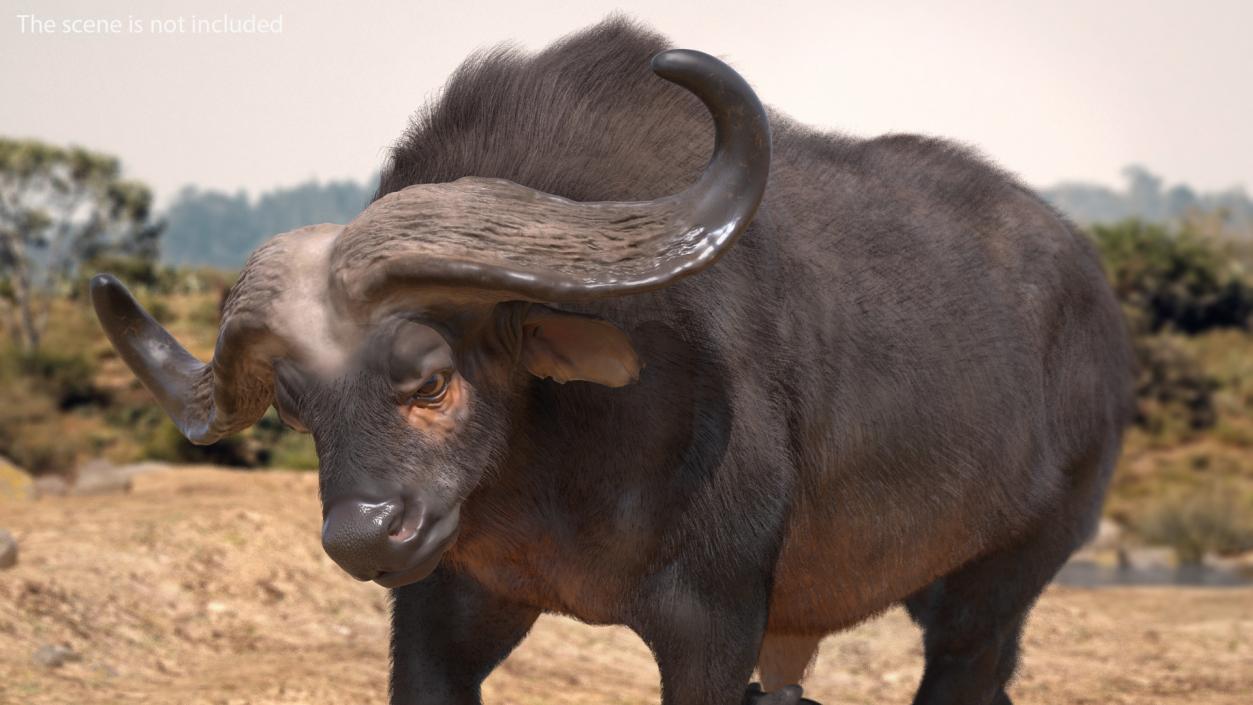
432,389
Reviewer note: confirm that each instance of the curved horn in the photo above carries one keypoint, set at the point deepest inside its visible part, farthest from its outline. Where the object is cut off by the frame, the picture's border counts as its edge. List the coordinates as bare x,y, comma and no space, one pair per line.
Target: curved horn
209,401
515,242
725,197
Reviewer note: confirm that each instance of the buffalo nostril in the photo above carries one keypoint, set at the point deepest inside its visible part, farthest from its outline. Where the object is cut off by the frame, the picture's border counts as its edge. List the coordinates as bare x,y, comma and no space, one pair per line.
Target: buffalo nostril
396,525
402,533
406,524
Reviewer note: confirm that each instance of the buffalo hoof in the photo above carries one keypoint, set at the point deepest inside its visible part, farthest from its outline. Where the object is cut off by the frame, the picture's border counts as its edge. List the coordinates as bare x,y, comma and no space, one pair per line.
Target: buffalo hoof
791,695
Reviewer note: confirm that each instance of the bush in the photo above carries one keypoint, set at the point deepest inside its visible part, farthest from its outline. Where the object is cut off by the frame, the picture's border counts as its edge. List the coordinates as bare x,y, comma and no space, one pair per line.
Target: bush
67,376
1174,393
280,446
294,451
31,432
1174,279
1210,520
43,449
159,310
168,444
134,271
206,314
267,444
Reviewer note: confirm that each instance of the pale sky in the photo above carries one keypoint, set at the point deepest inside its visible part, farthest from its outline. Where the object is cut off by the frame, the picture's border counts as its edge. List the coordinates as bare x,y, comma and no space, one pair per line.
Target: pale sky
1068,89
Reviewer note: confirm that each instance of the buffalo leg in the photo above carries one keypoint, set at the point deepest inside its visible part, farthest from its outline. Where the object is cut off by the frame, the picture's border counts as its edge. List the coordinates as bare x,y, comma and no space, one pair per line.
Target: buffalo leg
447,636
787,695
972,620
705,638
784,659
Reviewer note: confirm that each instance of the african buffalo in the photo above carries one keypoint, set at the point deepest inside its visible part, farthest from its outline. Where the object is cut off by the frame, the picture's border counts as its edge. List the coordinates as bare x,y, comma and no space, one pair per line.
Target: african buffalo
540,382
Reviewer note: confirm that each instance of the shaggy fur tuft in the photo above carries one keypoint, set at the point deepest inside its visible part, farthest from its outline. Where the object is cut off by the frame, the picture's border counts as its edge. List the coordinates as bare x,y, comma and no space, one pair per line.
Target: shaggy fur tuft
585,119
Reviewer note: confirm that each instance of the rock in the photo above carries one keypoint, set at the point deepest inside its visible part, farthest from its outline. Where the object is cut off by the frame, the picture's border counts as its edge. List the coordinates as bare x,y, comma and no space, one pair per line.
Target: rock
145,466
55,655
273,590
1147,558
1244,562
51,486
15,483
8,550
1109,536
99,476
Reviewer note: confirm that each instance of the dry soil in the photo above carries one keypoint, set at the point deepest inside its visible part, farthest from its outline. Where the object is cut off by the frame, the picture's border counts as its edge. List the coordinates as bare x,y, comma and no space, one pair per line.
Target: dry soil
210,586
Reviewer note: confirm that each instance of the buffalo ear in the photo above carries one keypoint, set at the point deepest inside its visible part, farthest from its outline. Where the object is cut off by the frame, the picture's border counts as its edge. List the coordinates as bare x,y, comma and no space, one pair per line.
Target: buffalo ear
571,346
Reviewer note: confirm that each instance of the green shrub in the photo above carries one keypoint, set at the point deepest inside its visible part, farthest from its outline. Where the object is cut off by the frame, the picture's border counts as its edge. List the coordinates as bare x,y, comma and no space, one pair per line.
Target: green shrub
167,444
156,304
195,281
1174,279
267,444
68,376
134,271
1228,356
1235,434
43,449
294,451
205,314
1210,520
1174,393
31,432
280,446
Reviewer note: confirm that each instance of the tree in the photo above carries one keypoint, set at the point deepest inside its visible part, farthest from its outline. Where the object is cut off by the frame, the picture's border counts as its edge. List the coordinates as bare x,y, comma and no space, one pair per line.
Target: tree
61,207
221,229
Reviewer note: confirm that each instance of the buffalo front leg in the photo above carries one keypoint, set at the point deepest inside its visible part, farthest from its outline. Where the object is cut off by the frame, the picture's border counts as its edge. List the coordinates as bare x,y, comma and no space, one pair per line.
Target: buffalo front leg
448,634
705,639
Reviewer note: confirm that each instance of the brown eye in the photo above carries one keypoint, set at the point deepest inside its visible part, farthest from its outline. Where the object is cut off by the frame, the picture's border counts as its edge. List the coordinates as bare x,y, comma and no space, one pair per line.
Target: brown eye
432,389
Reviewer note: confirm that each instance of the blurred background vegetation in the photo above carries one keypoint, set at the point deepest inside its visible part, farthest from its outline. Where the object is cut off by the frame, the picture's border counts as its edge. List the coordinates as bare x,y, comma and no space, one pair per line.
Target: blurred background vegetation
1181,262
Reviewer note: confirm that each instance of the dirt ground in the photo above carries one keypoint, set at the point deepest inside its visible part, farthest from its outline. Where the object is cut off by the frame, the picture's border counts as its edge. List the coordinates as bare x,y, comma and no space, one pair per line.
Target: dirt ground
209,586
